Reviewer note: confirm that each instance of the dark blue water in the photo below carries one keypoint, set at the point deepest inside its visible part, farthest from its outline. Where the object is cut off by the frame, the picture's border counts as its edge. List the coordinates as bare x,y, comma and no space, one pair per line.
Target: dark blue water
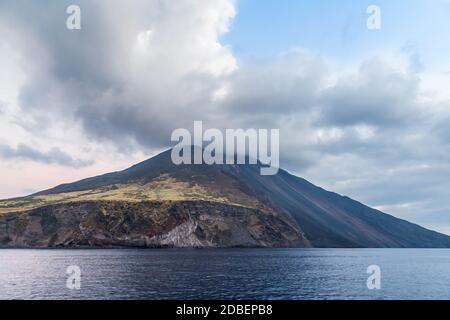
226,274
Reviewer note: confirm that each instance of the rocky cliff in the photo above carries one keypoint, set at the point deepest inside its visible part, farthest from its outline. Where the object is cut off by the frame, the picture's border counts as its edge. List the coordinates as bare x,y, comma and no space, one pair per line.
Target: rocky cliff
148,224
158,204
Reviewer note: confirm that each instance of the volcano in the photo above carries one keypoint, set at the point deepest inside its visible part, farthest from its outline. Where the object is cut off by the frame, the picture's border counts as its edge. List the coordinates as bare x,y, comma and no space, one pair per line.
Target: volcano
159,204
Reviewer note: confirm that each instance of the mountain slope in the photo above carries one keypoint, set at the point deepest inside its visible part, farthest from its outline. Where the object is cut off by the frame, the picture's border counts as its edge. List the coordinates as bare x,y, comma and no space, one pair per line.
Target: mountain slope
205,206
332,220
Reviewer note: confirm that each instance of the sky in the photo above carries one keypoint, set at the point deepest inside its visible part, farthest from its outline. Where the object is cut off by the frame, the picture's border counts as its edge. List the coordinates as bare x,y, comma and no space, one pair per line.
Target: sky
361,112
337,28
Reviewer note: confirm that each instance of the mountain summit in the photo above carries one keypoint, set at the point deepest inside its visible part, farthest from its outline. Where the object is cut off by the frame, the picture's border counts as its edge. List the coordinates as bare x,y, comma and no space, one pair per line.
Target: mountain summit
158,204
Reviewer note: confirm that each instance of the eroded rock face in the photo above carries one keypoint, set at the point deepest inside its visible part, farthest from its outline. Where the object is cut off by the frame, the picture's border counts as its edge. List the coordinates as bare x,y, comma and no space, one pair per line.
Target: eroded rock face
149,224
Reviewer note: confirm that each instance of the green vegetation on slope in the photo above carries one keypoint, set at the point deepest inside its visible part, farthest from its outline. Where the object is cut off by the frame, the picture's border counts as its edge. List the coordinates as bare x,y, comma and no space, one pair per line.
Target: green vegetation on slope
164,188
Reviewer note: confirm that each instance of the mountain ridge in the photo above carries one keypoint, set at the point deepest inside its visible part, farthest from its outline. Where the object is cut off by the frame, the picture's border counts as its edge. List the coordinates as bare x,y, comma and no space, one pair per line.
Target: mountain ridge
291,207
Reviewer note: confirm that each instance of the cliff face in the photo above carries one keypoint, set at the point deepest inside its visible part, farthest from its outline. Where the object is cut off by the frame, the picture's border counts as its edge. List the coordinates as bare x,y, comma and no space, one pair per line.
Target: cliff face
148,224
158,204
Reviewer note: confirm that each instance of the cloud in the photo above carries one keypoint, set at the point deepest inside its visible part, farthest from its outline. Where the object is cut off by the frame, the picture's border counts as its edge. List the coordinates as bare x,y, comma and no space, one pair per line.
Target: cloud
373,129
289,84
323,108
135,71
54,155
379,94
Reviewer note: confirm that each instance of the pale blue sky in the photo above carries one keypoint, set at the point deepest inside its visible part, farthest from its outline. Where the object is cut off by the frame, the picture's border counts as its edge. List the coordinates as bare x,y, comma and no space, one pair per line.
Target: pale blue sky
337,28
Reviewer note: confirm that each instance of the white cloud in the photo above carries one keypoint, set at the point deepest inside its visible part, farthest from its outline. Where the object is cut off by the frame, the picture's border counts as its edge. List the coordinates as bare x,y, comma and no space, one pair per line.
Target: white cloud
113,92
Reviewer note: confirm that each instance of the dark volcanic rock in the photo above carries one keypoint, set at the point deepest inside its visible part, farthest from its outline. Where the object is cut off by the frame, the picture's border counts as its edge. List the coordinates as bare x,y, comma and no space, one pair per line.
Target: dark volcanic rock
292,212
148,224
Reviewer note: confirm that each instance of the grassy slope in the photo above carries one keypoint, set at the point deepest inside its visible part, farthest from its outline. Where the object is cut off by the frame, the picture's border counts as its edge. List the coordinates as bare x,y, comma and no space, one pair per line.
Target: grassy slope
163,188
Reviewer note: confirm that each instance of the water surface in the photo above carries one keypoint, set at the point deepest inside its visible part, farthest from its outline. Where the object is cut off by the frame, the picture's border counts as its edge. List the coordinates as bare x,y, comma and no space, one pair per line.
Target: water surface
226,274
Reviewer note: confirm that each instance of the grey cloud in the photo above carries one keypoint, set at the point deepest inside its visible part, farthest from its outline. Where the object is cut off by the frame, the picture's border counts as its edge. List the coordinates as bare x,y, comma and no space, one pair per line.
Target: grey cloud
399,165
54,155
441,128
95,77
87,76
288,85
135,71
378,95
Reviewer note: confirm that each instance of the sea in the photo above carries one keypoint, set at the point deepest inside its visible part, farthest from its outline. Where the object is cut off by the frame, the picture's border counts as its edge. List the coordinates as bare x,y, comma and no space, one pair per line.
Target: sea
292,274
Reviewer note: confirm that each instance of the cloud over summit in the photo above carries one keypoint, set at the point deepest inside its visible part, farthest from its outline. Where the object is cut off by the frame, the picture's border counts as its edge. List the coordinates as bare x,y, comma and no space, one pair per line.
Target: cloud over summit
139,69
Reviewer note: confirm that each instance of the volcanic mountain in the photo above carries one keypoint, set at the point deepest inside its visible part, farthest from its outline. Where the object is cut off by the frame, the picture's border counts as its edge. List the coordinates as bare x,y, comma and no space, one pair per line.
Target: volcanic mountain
158,204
